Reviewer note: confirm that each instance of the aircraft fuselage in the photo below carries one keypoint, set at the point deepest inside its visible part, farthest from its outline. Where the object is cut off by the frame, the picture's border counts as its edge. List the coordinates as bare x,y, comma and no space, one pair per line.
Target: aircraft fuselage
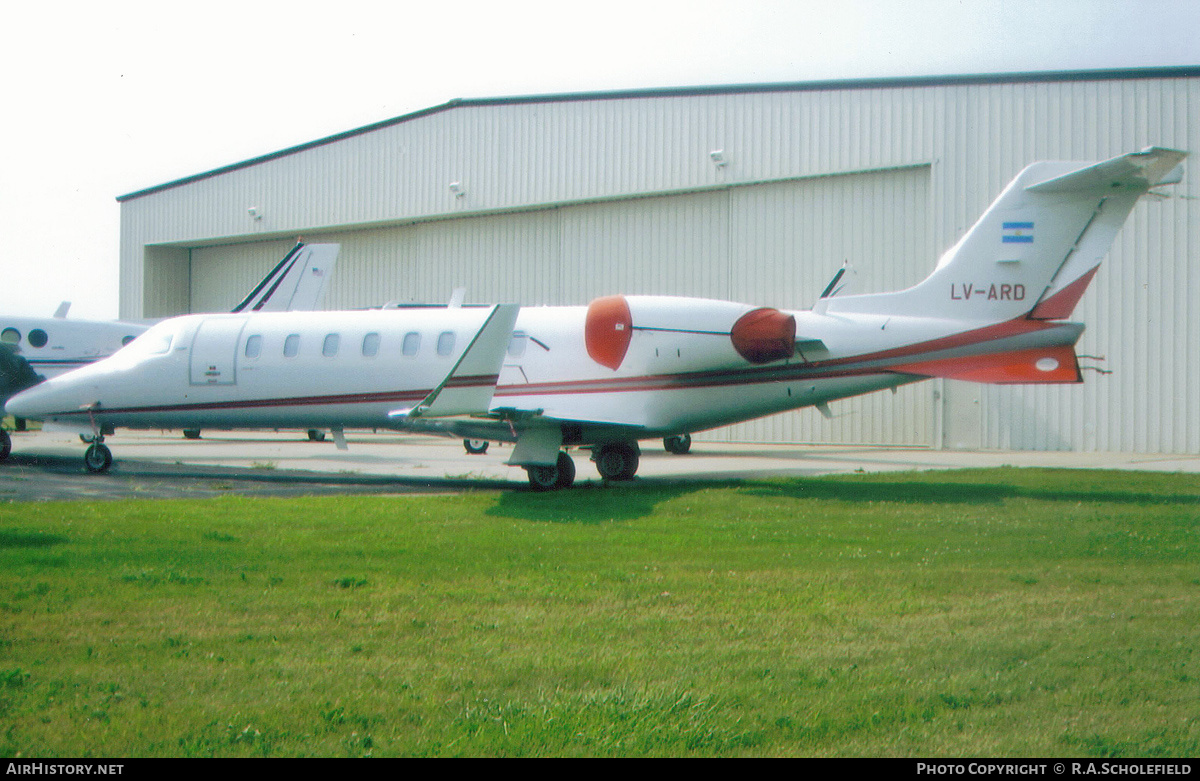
680,370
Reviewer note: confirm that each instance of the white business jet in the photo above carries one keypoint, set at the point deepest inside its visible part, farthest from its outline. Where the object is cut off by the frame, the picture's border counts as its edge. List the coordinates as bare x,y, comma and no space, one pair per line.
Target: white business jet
630,368
33,349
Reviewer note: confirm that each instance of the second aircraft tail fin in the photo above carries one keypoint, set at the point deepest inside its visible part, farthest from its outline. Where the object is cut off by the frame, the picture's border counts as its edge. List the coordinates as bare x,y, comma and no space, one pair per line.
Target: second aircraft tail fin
297,283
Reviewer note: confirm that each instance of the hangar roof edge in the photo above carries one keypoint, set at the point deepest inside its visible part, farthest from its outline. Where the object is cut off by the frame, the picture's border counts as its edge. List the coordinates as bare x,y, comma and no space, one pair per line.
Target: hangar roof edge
1180,71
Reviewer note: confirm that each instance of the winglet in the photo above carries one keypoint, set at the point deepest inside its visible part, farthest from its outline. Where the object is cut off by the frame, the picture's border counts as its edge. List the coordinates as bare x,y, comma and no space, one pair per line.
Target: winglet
297,283
469,386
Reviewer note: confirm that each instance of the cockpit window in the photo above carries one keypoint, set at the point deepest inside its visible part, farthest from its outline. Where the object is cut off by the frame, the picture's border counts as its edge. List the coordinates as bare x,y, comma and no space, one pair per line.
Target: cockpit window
156,341
158,344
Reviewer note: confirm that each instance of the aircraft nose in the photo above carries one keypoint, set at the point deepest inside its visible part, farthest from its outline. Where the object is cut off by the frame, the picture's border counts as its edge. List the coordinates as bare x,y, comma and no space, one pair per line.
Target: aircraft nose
42,400
26,404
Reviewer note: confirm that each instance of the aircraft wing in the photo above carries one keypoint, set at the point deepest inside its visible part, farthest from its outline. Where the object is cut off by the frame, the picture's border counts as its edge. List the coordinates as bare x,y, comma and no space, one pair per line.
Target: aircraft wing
467,389
297,283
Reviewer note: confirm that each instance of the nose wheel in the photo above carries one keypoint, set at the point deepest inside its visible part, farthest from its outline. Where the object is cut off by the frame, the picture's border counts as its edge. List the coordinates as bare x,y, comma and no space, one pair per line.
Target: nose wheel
97,458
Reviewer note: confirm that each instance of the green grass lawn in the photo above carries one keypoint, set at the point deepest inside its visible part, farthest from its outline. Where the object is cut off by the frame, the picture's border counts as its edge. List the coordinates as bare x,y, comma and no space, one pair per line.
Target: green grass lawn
969,613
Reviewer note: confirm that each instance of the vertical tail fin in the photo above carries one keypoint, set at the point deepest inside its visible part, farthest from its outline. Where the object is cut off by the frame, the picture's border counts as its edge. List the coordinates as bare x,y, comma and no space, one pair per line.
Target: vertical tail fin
1036,248
297,283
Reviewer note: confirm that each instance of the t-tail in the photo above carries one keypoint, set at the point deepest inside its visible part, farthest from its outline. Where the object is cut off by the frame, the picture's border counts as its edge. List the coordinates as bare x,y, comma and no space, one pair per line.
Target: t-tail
1034,251
297,283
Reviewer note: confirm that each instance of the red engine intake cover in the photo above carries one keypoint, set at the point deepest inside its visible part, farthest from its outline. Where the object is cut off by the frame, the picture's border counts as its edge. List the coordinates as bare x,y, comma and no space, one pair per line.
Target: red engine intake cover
607,330
764,335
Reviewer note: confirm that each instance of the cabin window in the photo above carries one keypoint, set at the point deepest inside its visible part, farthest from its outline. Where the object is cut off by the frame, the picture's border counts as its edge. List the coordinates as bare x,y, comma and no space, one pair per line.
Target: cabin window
330,348
127,339
412,343
370,347
445,343
254,346
291,346
37,338
10,336
516,345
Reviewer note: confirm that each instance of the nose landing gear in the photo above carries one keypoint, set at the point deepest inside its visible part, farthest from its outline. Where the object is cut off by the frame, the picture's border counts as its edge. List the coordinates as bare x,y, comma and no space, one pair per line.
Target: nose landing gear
97,458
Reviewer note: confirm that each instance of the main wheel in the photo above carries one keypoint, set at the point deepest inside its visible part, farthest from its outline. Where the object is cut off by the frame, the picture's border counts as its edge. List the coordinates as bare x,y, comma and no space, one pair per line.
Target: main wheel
548,478
617,460
191,433
476,446
97,458
5,444
315,435
678,444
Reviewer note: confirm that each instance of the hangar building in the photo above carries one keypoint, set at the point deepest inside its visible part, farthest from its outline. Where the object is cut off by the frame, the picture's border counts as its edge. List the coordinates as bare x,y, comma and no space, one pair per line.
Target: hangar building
755,193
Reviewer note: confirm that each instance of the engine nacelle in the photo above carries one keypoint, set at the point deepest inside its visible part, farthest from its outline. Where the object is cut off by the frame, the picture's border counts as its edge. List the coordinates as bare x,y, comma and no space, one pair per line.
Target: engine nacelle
764,335
757,335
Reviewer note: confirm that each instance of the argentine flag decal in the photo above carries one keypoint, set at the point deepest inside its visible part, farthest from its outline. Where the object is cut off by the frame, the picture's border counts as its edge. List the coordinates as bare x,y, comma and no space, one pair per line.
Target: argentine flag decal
1017,233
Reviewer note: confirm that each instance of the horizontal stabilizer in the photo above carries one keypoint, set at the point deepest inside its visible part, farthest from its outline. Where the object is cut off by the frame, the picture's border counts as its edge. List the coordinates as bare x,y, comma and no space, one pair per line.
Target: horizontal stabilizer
467,389
1137,170
1032,253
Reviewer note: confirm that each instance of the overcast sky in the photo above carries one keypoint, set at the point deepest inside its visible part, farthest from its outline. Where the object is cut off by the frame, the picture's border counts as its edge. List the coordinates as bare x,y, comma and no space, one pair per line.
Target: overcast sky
100,99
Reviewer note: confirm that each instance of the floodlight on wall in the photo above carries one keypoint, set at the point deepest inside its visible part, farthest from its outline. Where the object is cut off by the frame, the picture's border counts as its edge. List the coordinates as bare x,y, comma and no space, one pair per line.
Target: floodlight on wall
457,189
254,213
718,158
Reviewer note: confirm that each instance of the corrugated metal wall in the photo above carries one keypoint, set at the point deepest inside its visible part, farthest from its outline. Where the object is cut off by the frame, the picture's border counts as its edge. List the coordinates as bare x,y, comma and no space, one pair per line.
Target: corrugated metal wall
567,198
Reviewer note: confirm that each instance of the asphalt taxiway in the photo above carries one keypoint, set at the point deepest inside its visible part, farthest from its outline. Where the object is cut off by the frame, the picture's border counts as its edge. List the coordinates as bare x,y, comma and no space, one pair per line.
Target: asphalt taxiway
49,466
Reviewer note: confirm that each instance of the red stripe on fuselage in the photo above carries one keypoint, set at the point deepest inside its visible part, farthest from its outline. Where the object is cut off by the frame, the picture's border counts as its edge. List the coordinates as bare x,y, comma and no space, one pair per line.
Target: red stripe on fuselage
839,367
836,368
296,401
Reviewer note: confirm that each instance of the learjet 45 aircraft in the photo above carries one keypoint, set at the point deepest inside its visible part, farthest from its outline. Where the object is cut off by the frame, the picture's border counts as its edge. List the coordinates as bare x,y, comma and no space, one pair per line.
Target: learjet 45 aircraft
629,368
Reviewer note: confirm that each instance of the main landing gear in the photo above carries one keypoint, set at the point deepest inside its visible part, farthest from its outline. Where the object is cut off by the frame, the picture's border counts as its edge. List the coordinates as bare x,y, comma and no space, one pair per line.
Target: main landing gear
476,446
548,478
617,460
614,461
